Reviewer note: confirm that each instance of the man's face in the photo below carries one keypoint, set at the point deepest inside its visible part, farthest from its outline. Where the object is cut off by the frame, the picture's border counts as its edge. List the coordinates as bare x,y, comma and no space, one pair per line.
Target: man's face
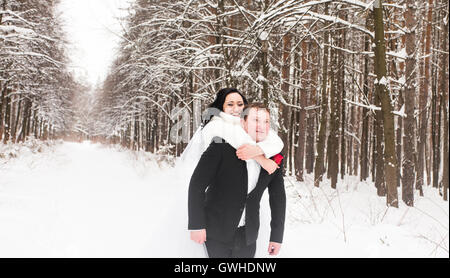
257,124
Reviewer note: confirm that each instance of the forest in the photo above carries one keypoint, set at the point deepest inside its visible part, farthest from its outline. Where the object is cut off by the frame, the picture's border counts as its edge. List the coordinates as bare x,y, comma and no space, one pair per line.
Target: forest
355,88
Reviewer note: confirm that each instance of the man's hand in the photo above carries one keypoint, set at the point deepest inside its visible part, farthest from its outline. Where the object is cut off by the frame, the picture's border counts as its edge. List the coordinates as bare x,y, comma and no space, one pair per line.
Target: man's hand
199,236
247,151
274,248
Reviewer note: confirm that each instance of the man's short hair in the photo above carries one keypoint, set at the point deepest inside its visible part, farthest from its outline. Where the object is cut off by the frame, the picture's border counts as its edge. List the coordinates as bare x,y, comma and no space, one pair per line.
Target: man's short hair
254,105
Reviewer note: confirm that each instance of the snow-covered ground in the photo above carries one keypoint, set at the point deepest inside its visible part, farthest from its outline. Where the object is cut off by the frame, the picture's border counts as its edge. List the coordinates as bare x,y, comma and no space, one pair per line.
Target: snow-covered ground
65,199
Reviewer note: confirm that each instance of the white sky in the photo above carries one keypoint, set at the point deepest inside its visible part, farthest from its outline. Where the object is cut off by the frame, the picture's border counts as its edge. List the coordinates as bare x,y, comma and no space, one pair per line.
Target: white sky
92,27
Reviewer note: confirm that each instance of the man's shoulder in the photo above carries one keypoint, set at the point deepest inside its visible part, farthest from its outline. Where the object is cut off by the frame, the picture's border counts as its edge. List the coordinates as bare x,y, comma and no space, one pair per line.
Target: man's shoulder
218,142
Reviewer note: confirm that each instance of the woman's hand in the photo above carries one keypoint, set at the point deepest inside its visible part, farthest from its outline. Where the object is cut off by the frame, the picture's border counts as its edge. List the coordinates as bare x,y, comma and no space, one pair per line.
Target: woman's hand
267,164
199,236
248,151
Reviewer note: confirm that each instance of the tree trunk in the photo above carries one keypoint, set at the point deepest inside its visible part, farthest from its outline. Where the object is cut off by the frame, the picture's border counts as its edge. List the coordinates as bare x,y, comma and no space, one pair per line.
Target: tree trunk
333,138
25,120
342,96
27,129
378,160
35,124
374,144
2,104
7,125
13,118
302,115
390,160
364,174
284,109
311,128
444,104
409,149
357,146
16,136
399,137
319,165
423,112
434,136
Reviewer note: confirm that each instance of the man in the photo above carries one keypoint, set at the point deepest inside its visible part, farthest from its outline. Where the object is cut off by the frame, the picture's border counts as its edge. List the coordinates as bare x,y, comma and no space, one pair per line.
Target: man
224,197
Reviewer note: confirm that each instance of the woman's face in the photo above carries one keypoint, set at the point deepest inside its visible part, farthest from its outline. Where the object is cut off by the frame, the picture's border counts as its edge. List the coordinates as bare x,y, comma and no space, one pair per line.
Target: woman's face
234,104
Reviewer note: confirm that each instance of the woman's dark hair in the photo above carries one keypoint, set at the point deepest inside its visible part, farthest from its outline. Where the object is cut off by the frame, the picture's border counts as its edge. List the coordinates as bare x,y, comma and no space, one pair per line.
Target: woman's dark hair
217,105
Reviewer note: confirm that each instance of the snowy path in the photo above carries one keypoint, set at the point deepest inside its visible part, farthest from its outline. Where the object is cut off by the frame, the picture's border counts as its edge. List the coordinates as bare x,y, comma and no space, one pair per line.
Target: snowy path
80,200
89,200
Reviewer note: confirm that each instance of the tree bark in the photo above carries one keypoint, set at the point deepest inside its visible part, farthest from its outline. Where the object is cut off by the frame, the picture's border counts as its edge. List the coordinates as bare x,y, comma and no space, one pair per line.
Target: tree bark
284,109
302,115
342,96
333,139
319,163
311,127
2,104
390,160
364,174
444,104
15,136
409,150
423,112
7,124
378,160
399,138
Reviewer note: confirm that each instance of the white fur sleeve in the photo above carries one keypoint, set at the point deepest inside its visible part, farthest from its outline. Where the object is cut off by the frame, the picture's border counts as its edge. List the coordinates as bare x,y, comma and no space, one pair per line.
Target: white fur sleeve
235,135
209,131
272,145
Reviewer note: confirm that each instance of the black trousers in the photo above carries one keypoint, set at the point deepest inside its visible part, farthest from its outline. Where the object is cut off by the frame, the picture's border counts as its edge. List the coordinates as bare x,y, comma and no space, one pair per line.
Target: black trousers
237,249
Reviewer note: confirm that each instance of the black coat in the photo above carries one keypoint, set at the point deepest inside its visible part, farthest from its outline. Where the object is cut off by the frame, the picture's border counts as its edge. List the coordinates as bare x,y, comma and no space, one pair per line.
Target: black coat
218,195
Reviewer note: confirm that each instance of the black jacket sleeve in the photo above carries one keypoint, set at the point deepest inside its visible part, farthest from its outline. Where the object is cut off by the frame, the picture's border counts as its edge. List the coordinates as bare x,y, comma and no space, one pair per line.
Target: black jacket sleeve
202,177
277,200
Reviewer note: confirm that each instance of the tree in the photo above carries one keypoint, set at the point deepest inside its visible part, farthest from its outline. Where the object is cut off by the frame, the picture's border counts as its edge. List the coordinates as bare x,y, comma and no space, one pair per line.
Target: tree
410,95
390,161
35,84
319,168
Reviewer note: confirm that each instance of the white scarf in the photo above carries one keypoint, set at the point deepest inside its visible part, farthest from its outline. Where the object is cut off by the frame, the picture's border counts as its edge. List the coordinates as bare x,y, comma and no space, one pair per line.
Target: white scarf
229,128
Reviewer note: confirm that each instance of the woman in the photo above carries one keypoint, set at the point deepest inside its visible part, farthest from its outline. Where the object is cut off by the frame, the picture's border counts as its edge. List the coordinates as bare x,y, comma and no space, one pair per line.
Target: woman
223,120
